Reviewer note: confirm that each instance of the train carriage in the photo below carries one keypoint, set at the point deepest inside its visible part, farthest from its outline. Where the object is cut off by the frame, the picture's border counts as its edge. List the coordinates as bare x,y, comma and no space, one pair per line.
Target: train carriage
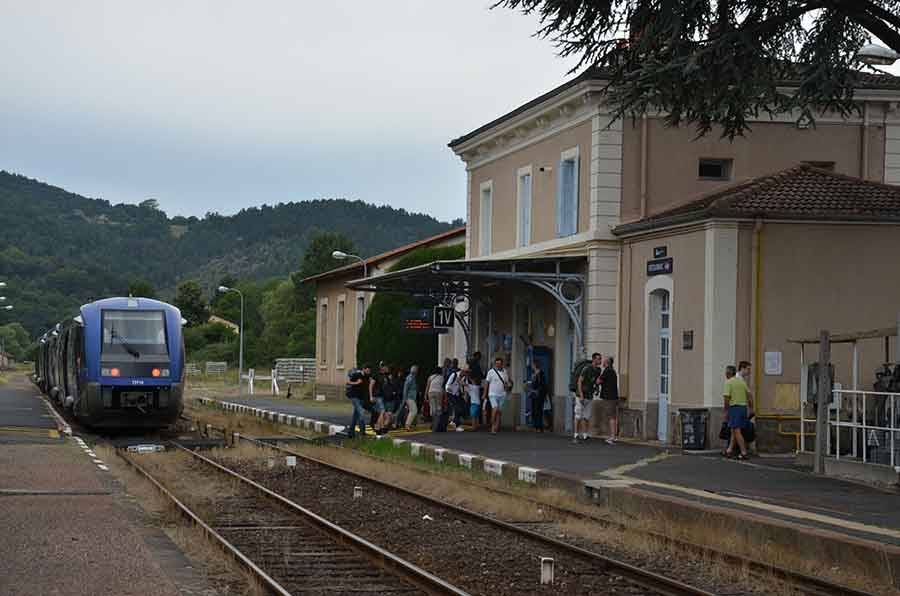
118,364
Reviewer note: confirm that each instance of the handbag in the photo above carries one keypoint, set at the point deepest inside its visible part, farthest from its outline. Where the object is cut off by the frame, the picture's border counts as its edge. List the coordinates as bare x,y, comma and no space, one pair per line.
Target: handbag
749,432
725,432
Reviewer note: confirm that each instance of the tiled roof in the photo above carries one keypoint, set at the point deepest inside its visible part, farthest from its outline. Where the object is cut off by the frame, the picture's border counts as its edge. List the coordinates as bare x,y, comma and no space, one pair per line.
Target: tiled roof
865,80
801,192
461,231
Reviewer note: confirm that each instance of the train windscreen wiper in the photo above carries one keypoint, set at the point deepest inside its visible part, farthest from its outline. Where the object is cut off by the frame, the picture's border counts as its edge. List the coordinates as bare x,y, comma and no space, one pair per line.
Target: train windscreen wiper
128,347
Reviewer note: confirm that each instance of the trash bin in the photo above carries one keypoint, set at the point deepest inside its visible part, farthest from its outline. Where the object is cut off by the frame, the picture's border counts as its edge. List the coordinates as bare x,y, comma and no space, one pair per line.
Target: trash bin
693,428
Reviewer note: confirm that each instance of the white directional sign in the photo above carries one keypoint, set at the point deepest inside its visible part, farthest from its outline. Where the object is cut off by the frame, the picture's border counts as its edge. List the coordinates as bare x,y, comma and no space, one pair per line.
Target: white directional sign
443,317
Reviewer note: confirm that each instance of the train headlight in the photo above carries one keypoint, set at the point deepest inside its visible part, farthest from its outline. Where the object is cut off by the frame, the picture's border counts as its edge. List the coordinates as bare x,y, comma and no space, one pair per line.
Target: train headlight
110,372
155,372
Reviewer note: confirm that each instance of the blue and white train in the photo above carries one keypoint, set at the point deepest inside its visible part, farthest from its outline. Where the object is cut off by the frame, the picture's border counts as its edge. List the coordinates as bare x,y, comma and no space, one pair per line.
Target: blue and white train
119,363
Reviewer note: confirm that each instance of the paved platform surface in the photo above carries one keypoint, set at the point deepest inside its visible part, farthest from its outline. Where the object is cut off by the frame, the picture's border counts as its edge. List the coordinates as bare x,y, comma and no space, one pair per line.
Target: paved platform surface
335,412
67,528
771,487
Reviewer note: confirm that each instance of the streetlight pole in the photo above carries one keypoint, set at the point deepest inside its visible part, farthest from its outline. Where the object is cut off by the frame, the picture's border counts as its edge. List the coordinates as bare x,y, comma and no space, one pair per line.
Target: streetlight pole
224,289
339,254
6,307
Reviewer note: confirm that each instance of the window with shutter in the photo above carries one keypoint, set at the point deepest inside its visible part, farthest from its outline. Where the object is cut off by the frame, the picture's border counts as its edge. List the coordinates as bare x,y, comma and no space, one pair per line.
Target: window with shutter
484,219
567,194
524,185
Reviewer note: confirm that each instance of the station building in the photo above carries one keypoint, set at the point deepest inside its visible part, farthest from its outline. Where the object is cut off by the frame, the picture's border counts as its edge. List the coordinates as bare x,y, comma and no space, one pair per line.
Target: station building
340,312
676,255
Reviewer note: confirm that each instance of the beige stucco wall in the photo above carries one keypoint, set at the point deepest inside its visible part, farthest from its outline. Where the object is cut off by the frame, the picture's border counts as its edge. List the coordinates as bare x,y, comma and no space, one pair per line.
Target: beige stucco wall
331,289
673,155
503,172
687,304
835,277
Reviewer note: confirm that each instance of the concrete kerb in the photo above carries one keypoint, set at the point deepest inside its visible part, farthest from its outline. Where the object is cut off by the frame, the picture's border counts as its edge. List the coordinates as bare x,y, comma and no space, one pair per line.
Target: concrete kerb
756,533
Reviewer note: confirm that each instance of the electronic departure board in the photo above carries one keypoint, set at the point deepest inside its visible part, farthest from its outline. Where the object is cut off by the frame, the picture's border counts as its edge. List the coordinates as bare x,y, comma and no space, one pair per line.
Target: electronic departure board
417,319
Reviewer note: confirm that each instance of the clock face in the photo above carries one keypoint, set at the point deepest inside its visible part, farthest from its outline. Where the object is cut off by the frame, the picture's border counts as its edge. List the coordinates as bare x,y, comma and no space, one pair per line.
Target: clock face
461,304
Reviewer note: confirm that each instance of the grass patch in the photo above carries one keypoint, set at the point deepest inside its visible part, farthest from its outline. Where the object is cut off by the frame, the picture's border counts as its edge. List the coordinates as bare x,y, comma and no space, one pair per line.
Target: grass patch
224,576
231,422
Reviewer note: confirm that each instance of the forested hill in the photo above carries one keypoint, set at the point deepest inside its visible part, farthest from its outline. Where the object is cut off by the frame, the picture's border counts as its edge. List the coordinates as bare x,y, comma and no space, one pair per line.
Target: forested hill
59,249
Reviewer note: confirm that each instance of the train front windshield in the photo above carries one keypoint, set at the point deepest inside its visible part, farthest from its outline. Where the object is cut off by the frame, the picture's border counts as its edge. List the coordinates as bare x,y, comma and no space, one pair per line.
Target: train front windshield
134,333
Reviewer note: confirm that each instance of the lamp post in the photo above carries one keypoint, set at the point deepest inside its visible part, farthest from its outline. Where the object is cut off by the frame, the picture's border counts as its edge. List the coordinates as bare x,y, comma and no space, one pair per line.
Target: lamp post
6,307
339,254
224,289
873,55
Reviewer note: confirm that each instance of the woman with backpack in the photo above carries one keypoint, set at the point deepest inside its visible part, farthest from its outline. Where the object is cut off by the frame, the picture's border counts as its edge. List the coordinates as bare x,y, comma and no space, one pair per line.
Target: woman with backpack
454,390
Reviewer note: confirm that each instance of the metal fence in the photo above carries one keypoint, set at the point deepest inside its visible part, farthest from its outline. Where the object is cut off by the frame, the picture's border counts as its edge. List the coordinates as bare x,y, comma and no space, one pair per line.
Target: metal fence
865,426
192,369
296,370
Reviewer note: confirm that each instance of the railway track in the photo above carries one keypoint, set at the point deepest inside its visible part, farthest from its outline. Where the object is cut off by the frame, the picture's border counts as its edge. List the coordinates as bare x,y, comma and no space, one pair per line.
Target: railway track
802,583
286,547
589,572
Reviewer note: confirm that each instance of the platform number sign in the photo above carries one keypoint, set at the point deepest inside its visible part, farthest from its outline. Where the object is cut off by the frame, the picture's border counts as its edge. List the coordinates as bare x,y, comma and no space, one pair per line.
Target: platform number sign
443,317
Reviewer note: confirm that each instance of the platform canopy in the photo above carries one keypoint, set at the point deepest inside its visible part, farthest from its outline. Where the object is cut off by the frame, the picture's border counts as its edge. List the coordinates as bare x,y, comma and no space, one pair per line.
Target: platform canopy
459,283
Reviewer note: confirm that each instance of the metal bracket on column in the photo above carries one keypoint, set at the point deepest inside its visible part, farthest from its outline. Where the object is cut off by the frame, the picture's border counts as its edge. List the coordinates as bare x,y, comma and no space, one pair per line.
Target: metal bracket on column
451,295
574,305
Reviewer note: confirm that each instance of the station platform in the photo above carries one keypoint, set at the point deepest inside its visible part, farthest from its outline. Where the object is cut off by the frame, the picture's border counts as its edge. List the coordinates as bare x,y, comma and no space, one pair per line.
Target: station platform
769,500
68,529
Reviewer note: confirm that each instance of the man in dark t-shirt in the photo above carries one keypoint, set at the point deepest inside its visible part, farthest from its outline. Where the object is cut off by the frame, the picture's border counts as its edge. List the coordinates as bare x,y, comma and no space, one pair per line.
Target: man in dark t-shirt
588,389
609,398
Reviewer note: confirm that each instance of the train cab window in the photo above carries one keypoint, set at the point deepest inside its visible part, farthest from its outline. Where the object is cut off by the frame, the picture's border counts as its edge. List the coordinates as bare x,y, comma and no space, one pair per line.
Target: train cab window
134,333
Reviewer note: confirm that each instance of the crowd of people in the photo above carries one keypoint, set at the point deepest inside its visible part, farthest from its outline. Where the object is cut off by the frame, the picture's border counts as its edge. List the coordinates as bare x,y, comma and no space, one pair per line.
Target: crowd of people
452,397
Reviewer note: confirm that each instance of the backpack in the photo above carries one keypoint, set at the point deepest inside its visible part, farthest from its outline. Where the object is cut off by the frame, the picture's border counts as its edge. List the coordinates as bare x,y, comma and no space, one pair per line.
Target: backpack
452,385
577,371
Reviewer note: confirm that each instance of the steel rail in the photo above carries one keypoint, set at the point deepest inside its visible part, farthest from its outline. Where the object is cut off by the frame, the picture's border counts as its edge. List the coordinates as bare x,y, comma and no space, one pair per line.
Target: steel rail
229,548
417,576
643,577
808,583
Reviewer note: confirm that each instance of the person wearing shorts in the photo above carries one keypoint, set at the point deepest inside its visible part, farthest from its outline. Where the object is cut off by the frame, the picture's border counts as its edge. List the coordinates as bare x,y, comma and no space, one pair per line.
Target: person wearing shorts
588,387
738,404
609,398
496,386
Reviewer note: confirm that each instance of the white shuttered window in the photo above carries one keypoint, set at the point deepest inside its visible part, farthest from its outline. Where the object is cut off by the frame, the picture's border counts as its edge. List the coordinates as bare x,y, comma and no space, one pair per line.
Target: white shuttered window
484,218
567,194
524,186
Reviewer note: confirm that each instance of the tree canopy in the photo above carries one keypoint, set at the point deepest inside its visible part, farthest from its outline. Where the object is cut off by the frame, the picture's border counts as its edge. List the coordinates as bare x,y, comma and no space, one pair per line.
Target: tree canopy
59,250
719,62
380,337
189,299
141,288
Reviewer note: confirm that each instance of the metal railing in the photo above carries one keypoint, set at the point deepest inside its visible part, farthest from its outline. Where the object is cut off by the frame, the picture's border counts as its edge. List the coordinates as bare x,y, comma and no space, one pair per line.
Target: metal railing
872,421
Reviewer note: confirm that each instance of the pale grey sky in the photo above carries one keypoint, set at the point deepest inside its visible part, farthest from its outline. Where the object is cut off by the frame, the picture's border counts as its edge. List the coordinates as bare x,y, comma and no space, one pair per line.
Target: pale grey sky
219,105
216,105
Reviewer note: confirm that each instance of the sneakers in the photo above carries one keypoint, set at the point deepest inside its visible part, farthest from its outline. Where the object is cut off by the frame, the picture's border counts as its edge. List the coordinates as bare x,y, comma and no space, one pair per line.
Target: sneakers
576,440
610,441
459,429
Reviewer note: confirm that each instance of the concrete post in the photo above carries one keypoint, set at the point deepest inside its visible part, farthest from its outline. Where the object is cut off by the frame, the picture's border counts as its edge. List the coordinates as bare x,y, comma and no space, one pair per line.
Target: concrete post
823,397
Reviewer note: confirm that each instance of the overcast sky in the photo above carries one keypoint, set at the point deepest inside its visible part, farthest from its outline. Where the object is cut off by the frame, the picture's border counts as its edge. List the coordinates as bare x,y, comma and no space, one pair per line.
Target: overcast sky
215,106
219,105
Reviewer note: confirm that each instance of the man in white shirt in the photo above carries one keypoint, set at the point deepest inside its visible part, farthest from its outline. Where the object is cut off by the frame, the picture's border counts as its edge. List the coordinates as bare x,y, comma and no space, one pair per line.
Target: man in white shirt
496,386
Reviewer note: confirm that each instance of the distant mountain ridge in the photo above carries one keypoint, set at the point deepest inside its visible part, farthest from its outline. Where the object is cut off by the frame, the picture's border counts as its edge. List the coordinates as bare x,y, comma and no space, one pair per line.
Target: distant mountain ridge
59,249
